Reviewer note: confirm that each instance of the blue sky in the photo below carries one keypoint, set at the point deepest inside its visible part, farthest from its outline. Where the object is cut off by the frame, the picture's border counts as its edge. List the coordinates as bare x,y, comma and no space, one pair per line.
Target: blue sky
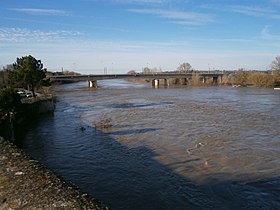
121,35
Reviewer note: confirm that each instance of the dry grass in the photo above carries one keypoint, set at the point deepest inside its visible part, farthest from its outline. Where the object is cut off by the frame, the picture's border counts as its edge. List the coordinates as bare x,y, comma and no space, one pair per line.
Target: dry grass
261,79
196,80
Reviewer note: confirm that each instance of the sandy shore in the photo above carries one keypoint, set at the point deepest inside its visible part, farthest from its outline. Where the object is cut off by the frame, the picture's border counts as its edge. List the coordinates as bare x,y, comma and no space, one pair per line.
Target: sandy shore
25,184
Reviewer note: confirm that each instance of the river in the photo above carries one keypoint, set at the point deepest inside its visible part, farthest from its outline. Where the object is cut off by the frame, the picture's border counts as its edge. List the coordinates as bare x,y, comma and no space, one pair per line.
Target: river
168,148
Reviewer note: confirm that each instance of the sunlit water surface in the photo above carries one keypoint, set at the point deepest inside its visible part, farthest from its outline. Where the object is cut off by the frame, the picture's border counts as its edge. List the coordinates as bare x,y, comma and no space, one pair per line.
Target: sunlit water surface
168,148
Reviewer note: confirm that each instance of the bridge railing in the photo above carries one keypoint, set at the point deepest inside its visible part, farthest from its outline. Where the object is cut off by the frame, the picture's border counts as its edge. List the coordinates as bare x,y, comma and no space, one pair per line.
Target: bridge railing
133,76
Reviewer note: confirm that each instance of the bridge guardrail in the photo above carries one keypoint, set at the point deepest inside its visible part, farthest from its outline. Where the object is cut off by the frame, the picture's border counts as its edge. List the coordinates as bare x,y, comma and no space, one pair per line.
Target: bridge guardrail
124,76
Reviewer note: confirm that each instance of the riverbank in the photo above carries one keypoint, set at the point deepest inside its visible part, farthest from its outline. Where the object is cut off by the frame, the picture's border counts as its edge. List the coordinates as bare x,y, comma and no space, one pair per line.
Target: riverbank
29,108
25,184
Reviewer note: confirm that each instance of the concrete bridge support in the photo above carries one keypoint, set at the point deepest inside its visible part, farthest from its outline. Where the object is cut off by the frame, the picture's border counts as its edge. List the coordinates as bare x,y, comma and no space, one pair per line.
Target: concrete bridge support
203,80
215,80
155,83
166,82
220,79
92,84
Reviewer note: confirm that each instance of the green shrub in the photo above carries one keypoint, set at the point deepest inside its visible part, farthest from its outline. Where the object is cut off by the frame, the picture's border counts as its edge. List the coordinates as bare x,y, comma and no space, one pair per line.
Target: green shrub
9,100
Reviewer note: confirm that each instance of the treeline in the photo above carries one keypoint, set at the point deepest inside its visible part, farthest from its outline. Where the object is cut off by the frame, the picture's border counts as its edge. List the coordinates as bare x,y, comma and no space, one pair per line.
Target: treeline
241,77
259,79
65,72
27,72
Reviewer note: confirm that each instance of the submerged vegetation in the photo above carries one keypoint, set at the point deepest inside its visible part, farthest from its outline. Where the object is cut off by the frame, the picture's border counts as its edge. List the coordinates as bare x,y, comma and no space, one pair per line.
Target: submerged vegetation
103,123
270,78
255,78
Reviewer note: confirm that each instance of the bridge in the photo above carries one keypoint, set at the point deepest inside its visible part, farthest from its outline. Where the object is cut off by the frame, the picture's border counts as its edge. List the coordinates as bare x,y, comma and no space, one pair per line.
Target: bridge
215,77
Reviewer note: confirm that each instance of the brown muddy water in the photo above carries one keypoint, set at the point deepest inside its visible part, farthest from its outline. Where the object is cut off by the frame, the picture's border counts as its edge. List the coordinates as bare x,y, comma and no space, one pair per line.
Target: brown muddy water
168,148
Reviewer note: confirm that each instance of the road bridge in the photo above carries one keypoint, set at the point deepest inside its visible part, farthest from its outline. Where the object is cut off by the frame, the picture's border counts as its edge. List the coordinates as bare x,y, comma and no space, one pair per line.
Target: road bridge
215,76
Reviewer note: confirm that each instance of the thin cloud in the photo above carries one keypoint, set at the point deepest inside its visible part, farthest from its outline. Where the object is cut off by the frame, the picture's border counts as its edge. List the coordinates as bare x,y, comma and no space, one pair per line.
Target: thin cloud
38,11
133,55
26,35
255,11
177,17
275,1
135,1
229,40
143,1
276,17
265,34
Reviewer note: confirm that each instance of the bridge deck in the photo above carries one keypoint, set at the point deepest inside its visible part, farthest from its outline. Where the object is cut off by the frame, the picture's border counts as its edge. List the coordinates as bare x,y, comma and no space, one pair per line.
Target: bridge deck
92,77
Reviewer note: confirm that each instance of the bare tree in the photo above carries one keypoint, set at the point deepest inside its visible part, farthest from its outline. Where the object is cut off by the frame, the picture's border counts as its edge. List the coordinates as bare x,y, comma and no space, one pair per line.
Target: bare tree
241,77
185,67
196,79
260,79
147,70
132,72
275,65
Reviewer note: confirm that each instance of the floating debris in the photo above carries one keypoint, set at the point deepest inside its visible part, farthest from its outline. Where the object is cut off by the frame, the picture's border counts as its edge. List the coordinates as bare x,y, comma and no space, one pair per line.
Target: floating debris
19,173
103,123
197,146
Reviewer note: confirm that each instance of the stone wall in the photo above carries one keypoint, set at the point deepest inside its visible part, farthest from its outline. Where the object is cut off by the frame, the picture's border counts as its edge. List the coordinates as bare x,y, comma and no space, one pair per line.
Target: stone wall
40,106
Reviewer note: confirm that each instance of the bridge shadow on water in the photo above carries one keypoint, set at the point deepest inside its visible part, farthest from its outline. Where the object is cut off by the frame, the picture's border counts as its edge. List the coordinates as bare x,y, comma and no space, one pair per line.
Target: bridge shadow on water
131,178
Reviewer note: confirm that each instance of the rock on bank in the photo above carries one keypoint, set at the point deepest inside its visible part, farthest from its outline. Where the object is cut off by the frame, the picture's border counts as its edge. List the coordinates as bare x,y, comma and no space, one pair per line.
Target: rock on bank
25,184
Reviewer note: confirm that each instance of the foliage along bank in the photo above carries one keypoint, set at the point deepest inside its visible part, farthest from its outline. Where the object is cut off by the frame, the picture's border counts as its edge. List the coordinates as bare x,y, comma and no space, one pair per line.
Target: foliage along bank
26,73
14,111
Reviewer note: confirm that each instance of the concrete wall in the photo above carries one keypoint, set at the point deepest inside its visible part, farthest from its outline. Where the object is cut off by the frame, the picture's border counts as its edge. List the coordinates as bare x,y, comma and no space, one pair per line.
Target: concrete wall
40,106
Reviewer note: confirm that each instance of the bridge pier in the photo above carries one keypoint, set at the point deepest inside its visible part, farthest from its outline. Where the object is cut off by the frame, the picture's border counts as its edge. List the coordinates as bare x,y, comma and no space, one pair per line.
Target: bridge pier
92,83
203,80
166,82
220,79
215,80
155,83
